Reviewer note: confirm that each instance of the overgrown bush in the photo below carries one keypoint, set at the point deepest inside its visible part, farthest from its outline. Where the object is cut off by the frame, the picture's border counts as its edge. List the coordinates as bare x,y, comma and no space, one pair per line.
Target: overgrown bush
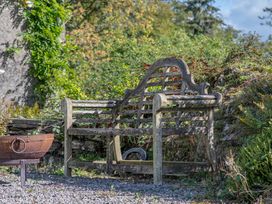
25,111
127,59
250,175
259,116
49,56
255,159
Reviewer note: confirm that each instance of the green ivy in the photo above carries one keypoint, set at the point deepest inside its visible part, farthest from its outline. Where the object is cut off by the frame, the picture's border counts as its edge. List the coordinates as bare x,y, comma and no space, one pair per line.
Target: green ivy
49,56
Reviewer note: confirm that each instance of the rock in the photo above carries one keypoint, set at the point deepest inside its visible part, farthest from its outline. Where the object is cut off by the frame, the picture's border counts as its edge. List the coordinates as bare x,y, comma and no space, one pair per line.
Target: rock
226,127
51,161
16,83
76,144
89,146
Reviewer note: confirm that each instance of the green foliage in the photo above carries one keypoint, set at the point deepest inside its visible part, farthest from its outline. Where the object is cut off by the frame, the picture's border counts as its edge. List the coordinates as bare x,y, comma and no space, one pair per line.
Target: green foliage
59,171
256,159
12,50
251,175
126,58
25,111
255,91
268,17
197,16
52,109
258,117
115,45
9,111
86,173
48,56
110,42
88,157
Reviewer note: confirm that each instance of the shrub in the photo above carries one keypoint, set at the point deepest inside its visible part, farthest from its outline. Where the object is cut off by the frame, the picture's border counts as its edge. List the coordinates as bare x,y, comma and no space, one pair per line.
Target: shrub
259,116
123,64
25,111
49,57
255,159
251,174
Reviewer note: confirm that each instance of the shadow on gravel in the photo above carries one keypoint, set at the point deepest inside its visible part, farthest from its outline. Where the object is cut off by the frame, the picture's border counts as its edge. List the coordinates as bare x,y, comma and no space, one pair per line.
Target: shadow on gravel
166,191
3,183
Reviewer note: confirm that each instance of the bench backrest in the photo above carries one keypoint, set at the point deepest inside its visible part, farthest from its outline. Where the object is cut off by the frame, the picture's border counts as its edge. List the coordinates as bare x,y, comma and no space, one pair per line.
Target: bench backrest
170,76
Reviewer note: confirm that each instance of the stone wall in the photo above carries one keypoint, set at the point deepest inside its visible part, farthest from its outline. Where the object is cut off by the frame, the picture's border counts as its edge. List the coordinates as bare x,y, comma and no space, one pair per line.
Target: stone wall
16,83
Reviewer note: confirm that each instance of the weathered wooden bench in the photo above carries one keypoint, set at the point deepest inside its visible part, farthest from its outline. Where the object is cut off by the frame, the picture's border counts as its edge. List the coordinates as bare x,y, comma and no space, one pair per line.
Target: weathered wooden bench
181,107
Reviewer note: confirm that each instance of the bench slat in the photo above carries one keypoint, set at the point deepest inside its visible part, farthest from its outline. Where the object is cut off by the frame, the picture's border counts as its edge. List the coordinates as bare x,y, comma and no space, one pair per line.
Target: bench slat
131,112
93,105
169,74
164,92
142,120
94,101
137,103
167,83
191,97
85,112
134,131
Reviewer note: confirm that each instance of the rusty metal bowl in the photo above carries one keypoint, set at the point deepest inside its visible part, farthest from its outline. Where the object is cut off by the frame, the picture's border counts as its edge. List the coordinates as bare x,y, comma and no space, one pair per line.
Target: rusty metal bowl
25,146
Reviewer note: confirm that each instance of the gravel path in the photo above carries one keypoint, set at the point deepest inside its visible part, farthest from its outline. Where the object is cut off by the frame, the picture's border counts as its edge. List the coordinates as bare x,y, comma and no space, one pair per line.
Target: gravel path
42,188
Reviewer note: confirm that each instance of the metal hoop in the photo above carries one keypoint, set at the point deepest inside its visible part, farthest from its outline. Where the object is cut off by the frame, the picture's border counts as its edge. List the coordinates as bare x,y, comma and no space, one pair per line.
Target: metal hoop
12,145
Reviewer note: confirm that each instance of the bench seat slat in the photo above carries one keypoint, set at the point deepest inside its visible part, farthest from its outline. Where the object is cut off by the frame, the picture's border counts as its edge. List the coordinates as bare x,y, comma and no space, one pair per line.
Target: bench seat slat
134,131
86,121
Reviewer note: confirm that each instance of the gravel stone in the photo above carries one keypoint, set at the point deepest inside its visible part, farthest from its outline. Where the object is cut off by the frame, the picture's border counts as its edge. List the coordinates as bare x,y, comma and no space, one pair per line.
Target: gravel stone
44,188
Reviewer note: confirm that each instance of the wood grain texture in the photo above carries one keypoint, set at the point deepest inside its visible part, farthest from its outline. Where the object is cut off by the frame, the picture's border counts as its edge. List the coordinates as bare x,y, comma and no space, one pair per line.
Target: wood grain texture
68,120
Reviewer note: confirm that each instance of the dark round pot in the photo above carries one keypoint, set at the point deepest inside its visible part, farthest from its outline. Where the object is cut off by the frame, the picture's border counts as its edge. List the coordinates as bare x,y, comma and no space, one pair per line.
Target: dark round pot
25,146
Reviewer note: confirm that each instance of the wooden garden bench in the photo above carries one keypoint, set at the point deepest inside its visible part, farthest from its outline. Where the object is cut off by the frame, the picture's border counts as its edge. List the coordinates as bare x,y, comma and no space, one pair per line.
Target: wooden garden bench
181,107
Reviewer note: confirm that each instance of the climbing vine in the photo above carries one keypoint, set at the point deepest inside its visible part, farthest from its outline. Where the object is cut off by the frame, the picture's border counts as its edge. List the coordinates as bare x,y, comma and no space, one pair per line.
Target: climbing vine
49,57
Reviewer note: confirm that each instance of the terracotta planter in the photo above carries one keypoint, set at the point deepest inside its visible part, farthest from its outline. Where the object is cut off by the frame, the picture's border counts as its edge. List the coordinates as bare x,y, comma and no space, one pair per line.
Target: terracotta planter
25,147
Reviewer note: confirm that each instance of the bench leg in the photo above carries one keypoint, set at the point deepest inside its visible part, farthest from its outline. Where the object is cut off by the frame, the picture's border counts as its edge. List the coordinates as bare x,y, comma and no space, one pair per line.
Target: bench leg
211,141
67,155
23,173
109,155
157,142
68,120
